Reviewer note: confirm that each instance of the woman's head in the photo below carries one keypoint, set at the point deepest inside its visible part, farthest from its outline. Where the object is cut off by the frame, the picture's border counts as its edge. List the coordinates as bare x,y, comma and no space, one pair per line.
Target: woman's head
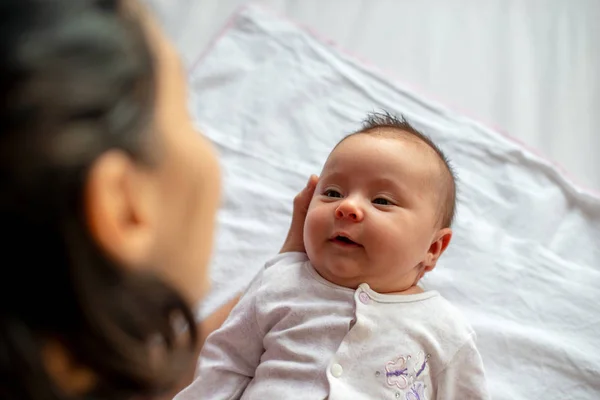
107,200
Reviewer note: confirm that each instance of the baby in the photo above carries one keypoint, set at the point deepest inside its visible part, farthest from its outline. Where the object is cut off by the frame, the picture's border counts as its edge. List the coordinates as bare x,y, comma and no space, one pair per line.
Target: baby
347,319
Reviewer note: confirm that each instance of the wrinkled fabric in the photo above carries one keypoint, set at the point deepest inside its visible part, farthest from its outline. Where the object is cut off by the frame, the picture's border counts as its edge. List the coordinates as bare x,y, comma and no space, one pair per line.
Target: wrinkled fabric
523,264
295,335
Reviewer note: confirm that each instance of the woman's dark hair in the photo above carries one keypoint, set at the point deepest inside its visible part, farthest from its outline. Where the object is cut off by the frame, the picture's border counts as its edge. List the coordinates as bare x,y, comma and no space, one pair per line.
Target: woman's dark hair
76,80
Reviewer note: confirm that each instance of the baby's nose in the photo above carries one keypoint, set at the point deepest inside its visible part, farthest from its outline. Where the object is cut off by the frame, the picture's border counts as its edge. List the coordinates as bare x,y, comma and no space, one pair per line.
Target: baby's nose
348,209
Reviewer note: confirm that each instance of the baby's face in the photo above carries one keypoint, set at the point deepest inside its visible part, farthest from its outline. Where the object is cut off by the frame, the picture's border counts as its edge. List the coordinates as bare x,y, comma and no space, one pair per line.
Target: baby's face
374,214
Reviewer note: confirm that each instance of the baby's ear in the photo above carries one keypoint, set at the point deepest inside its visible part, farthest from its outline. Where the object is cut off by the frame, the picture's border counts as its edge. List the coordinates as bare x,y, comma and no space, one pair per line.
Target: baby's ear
437,248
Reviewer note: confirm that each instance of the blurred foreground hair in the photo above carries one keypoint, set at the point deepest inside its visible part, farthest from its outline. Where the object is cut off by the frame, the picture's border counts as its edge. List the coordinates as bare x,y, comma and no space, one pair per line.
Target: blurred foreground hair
77,80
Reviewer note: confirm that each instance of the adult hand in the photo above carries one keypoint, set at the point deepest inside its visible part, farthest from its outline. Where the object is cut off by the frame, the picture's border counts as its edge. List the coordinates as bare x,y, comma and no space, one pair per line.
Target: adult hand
295,238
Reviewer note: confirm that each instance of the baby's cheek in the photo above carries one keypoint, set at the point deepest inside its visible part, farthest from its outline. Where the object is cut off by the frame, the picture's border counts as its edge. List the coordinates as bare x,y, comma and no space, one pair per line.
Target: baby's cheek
388,241
313,230
309,228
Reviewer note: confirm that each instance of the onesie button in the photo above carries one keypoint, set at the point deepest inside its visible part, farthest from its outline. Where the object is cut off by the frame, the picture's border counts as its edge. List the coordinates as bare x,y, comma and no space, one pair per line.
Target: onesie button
337,370
364,298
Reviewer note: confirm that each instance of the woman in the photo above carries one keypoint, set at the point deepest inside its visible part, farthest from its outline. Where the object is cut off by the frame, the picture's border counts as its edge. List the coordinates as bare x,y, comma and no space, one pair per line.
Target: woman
108,199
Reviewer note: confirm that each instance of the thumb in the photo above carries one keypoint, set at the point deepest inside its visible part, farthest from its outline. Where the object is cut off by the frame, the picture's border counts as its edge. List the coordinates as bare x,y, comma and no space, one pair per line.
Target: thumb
302,199
295,240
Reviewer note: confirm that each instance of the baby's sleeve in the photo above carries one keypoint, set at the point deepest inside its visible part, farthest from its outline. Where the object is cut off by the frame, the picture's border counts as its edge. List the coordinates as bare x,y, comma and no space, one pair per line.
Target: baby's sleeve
464,376
231,354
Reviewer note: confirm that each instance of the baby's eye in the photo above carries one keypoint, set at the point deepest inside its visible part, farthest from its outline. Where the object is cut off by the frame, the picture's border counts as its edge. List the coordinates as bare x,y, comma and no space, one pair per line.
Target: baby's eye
381,201
332,193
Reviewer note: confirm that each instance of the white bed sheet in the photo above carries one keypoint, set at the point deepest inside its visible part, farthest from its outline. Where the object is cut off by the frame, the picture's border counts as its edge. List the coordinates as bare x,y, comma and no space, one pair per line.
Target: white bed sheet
528,67
523,265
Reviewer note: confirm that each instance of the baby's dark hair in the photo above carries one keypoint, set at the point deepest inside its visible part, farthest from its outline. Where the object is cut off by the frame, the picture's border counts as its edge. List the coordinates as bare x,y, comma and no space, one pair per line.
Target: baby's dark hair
384,123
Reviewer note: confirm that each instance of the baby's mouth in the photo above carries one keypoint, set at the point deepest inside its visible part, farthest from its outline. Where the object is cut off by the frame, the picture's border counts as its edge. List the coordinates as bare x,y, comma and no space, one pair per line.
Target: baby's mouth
344,241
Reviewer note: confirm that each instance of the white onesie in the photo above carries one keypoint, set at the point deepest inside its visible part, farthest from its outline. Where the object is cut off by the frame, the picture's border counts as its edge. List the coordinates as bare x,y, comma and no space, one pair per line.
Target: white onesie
295,335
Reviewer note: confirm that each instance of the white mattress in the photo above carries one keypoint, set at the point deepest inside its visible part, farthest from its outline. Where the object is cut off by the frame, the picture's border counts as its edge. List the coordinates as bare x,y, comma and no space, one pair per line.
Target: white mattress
523,265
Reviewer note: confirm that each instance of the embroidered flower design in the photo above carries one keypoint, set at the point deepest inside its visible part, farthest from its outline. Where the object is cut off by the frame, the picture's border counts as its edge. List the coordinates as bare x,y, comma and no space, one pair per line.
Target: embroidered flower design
396,372
405,373
417,392
420,363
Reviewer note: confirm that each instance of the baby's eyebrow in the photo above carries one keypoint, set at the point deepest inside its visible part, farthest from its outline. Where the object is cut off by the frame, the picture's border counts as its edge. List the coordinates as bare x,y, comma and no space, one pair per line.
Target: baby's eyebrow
397,186
387,182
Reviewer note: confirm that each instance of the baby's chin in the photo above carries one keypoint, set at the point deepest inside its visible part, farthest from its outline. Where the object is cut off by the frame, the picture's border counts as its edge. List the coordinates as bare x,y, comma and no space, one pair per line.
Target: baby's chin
341,273
348,274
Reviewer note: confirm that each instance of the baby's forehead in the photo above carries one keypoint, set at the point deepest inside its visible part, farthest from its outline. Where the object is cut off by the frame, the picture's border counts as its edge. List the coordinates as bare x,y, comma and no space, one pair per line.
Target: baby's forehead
410,147
416,159
388,133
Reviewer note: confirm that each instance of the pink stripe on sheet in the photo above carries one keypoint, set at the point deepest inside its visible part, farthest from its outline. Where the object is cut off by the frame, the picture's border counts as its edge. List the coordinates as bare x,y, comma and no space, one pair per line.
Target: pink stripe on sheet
228,25
383,73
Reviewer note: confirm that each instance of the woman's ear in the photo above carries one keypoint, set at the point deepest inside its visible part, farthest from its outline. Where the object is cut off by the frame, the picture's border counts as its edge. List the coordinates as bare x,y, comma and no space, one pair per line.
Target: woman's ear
121,208
437,248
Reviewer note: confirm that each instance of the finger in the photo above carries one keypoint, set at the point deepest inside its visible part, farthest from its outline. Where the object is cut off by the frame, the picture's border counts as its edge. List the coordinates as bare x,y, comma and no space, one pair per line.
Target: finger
302,199
312,183
310,187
